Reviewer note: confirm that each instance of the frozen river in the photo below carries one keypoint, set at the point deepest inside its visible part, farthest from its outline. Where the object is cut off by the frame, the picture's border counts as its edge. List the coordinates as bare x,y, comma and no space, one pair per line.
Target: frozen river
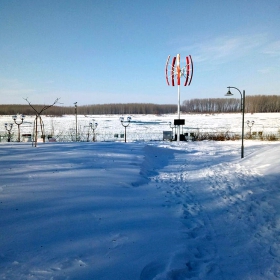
143,127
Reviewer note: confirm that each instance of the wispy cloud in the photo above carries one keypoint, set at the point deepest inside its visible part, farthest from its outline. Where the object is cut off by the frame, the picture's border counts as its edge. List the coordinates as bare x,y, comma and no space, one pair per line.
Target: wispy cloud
14,88
272,49
226,48
266,70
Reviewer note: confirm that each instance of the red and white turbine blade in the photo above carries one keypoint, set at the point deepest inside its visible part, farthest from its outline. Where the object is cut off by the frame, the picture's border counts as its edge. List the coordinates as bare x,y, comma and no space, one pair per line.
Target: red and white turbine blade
191,62
172,70
187,70
178,70
166,69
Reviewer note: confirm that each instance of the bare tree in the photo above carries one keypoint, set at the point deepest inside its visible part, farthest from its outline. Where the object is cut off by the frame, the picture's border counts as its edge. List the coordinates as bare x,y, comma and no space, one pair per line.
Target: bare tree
38,118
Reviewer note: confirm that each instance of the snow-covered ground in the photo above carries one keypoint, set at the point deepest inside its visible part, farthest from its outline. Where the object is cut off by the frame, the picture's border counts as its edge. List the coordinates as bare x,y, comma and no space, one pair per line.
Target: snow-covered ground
144,127
140,210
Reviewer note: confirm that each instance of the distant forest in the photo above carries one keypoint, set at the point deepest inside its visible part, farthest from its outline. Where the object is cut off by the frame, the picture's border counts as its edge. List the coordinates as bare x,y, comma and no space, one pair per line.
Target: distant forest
253,104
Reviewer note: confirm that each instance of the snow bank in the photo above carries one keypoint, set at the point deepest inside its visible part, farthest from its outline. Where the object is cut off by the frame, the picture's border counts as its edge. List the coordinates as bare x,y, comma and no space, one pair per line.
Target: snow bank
140,211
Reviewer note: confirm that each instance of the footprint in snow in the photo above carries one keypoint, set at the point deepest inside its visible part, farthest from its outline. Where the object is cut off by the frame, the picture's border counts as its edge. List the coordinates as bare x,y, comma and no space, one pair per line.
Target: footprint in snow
118,240
152,271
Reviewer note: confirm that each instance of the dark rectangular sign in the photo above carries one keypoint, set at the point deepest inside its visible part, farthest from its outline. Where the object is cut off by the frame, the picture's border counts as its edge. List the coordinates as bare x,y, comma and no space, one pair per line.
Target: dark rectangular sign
179,122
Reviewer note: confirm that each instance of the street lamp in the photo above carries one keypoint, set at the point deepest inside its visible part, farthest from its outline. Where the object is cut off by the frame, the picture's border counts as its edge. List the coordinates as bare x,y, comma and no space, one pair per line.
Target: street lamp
9,128
122,120
242,110
18,123
93,127
76,111
250,124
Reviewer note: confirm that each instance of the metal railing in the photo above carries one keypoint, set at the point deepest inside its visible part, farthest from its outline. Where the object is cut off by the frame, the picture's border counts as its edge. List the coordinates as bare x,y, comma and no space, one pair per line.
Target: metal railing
140,136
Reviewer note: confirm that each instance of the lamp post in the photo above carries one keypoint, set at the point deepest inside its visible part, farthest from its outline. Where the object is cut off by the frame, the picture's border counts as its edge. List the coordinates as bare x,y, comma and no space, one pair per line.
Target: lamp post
93,127
243,111
18,124
76,111
250,125
9,128
125,125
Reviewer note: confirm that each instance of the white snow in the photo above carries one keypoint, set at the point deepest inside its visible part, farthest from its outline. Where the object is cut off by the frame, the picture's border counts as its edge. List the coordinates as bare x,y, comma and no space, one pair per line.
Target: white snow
145,127
140,210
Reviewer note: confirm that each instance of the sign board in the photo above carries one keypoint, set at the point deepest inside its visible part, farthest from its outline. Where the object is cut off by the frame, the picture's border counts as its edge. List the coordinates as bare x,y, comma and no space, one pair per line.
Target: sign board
179,122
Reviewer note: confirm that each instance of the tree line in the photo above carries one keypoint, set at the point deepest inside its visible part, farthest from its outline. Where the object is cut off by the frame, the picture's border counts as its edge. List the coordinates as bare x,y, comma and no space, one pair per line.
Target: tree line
98,109
253,104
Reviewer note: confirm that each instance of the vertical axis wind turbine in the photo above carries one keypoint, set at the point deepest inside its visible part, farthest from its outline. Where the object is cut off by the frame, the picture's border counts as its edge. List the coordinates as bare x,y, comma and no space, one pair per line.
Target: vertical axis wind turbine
175,72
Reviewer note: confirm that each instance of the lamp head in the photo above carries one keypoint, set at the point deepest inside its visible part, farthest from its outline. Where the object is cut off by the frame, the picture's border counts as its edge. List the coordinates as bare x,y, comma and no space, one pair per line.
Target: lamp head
121,119
229,92
14,117
22,117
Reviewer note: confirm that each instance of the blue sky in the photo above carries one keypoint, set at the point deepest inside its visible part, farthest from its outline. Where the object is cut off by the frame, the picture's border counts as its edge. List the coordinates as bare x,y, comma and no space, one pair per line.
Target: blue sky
97,52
